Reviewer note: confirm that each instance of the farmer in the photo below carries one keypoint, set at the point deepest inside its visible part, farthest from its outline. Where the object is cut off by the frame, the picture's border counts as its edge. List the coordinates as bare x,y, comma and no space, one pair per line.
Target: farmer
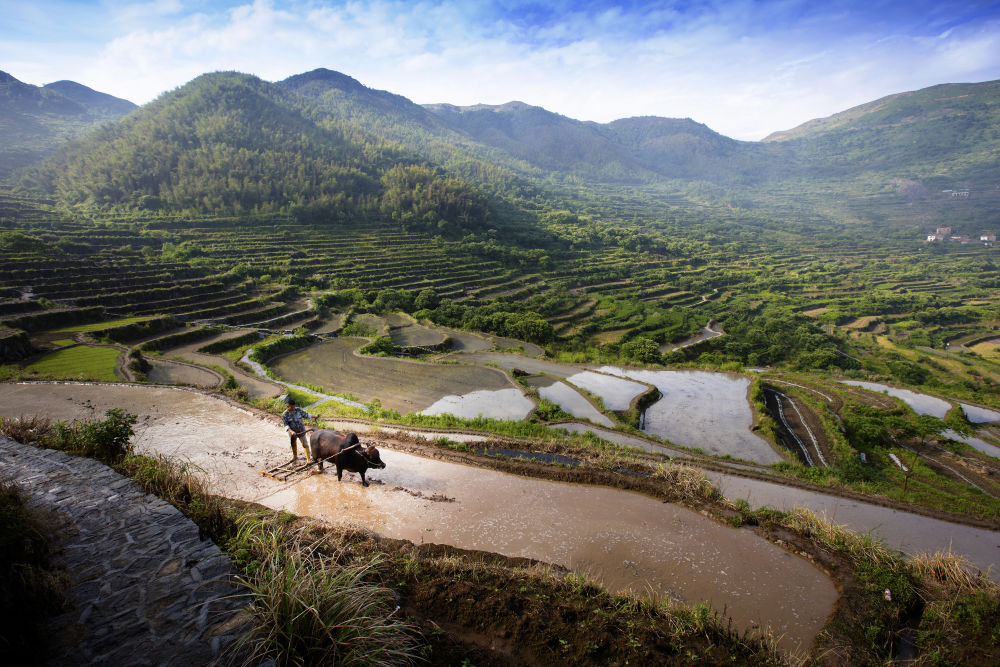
292,418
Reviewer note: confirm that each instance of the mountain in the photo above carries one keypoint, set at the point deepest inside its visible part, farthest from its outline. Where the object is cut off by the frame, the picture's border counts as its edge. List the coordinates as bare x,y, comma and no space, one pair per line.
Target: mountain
35,121
96,103
338,100
224,141
231,143
946,133
352,100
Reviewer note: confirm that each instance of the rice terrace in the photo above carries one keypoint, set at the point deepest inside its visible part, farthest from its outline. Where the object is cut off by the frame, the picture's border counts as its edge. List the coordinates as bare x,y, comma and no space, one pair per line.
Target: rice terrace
644,394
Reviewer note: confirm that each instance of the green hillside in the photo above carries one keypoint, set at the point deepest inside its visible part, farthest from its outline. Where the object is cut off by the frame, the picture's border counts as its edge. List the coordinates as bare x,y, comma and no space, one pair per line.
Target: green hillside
946,134
231,143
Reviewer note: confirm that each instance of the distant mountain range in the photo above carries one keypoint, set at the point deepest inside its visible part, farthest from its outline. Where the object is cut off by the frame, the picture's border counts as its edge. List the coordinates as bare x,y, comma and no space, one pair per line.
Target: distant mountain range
322,135
35,121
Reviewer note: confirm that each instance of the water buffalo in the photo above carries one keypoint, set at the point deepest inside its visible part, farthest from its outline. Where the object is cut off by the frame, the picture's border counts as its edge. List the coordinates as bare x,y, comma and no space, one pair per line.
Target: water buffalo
351,454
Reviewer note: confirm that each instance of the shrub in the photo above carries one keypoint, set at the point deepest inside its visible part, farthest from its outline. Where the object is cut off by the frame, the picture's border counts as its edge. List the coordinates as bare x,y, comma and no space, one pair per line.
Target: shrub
107,441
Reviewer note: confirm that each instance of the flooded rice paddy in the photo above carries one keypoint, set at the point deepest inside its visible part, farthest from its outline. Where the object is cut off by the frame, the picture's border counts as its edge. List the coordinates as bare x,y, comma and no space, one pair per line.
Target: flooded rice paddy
615,392
978,415
937,407
705,410
627,541
630,542
507,403
568,399
909,533
921,403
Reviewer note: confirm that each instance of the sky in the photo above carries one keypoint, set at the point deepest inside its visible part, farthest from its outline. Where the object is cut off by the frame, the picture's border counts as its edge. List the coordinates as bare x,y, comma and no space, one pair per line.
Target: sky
745,68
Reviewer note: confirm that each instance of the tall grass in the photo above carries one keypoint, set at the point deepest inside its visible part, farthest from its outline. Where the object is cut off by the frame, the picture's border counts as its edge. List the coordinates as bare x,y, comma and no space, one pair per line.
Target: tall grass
308,609
689,482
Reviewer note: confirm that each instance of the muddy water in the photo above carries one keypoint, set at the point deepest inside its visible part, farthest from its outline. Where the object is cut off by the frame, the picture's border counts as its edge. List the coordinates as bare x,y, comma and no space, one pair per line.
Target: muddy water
910,533
629,542
229,443
922,403
498,404
569,399
704,410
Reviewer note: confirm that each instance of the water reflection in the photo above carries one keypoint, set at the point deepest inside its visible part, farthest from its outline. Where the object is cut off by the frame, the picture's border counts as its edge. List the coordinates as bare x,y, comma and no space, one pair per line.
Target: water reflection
704,410
500,404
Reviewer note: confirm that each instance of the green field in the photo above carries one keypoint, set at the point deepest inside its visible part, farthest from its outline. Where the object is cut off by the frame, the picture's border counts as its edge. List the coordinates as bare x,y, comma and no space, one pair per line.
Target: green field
99,326
78,363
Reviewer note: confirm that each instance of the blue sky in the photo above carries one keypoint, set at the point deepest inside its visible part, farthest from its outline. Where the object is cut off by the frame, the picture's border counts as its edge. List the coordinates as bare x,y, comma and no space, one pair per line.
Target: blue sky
745,68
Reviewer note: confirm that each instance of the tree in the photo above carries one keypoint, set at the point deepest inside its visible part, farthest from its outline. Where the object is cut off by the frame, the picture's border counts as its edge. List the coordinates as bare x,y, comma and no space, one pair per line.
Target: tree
642,349
427,298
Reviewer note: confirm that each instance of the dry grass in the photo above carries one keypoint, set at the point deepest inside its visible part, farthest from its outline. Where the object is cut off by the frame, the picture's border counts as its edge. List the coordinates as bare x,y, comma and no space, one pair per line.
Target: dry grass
861,547
954,572
688,481
26,430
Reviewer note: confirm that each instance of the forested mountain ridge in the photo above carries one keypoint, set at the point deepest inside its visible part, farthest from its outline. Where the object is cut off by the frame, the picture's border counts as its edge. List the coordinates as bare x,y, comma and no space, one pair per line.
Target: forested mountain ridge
323,140
339,100
35,121
234,144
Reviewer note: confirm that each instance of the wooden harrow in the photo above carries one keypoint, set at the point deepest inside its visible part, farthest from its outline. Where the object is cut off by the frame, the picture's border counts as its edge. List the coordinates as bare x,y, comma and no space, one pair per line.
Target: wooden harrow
284,471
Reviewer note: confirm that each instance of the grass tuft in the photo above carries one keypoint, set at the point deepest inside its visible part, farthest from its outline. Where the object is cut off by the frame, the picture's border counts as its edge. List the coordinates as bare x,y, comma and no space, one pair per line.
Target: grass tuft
308,609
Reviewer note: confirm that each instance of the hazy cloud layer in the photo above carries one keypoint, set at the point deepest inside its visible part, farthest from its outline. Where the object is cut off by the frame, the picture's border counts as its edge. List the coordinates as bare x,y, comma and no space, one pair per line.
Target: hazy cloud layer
745,68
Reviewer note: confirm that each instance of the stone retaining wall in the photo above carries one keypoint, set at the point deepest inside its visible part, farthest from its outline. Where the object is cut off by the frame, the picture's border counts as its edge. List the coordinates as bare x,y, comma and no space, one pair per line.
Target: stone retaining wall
145,588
